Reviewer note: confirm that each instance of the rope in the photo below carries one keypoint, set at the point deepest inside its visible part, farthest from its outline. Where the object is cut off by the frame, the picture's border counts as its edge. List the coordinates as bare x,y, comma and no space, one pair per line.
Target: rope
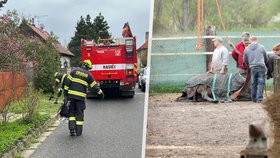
221,18
229,87
199,28
202,16
213,87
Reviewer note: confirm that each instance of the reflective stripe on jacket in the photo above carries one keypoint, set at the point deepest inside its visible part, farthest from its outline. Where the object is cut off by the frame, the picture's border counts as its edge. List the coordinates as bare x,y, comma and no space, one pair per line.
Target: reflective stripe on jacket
80,79
63,79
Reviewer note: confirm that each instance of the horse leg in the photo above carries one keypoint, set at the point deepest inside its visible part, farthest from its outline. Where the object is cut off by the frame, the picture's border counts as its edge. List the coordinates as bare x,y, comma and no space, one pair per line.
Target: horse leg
205,96
182,97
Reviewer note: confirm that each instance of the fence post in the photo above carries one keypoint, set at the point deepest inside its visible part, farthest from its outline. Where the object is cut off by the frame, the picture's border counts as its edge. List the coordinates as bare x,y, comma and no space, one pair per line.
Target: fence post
210,31
276,76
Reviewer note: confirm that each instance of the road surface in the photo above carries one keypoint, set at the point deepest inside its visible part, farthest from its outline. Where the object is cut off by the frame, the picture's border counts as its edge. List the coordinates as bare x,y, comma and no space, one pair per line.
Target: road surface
113,128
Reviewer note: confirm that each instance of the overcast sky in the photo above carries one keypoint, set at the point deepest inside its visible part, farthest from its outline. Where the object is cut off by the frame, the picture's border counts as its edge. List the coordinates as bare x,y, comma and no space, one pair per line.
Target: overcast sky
62,15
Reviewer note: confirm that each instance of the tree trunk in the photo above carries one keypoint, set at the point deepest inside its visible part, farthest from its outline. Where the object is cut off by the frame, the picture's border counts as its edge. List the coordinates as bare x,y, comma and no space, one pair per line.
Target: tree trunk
159,10
185,14
210,31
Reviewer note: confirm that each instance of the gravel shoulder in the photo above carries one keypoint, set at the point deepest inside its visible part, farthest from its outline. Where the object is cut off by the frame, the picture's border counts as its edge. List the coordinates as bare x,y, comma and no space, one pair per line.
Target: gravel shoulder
201,129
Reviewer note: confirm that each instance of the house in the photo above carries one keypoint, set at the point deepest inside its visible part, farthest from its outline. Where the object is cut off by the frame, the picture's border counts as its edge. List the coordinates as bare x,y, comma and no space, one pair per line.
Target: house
65,54
142,53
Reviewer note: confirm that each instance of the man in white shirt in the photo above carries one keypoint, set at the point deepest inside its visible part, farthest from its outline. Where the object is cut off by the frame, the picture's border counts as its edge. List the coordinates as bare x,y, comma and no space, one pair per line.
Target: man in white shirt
220,57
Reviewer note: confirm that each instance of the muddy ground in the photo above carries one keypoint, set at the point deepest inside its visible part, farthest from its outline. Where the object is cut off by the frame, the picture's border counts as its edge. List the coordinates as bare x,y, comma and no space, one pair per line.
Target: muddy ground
199,130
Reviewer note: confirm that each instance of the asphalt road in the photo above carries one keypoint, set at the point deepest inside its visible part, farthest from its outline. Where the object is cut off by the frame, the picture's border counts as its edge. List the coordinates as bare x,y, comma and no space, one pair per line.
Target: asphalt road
113,128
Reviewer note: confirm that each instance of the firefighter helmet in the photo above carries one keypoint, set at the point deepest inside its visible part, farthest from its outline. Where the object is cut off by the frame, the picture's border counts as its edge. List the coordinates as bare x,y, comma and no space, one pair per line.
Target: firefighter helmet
87,64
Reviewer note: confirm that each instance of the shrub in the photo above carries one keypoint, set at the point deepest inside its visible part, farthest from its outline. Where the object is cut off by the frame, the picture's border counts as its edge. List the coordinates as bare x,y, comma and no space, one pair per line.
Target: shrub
46,60
30,103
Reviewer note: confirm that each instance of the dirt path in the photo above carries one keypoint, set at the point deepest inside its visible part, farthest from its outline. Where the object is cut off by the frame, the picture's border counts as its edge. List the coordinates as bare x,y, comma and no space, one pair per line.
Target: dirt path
199,130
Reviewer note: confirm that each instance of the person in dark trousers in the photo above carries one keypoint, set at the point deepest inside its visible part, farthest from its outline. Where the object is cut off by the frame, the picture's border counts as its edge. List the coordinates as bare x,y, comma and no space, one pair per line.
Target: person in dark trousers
271,58
255,57
80,78
238,53
61,78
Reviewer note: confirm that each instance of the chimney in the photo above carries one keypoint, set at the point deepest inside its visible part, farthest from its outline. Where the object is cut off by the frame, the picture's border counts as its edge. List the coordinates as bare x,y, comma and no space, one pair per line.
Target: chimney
146,36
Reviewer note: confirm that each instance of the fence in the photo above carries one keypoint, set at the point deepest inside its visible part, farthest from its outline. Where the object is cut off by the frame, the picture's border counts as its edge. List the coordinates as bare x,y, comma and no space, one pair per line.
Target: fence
175,59
12,86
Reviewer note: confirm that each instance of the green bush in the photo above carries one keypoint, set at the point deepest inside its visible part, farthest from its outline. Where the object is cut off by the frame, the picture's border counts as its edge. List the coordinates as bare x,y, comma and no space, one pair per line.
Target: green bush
46,59
30,103
18,51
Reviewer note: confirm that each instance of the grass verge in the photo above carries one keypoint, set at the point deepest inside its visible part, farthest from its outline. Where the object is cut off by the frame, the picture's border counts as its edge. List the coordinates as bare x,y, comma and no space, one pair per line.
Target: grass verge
11,132
46,106
165,89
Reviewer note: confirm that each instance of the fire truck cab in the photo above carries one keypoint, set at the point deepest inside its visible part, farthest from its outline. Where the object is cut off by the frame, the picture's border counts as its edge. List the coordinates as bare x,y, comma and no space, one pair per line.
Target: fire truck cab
114,64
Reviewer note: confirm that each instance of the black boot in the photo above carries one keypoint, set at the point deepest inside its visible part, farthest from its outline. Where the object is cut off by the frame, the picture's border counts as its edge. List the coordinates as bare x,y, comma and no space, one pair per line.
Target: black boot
79,130
72,132
72,126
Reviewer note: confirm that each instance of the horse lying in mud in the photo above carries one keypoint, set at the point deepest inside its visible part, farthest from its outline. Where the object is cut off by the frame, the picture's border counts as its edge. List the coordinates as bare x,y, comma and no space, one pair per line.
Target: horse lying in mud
216,88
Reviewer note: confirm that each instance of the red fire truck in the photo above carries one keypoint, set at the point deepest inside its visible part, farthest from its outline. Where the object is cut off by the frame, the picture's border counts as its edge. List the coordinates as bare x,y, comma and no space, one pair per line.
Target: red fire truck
114,64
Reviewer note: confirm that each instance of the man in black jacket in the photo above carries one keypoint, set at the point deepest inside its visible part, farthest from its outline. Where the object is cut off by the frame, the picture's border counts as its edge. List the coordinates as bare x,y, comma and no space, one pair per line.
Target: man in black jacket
270,63
61,78
80,78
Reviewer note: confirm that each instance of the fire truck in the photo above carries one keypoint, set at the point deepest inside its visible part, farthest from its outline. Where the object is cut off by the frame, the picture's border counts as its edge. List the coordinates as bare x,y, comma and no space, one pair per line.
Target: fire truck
114,64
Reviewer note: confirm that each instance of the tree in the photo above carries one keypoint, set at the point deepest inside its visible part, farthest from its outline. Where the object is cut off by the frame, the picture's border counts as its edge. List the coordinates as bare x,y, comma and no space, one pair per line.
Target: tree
159,9
74,44
181,15
101,28
185,14
18,51
86,29
2,3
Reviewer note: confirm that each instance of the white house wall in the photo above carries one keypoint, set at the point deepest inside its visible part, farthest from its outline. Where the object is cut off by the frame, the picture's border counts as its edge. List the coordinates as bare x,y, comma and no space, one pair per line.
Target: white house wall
64,59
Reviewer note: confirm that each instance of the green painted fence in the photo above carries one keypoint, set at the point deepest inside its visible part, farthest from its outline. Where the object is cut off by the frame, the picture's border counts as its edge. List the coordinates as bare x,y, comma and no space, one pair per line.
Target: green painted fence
175,60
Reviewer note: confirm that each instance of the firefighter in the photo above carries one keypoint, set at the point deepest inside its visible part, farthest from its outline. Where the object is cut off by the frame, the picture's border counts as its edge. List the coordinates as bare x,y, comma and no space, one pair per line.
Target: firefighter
62,79
80,78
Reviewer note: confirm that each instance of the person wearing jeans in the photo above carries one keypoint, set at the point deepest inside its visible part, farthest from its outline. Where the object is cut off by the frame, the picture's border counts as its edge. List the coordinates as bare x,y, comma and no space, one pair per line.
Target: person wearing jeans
255,57
258,83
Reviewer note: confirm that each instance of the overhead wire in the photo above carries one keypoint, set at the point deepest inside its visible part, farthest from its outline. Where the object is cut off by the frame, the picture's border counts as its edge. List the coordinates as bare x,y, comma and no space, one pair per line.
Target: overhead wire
199,28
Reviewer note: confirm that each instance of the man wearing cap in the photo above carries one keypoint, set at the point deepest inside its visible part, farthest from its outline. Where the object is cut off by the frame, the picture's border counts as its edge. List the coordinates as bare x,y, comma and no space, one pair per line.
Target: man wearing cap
238,53
220,57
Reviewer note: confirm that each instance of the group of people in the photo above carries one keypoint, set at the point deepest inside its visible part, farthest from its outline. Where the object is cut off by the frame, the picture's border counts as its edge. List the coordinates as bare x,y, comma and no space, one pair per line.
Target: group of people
75,87
252,61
